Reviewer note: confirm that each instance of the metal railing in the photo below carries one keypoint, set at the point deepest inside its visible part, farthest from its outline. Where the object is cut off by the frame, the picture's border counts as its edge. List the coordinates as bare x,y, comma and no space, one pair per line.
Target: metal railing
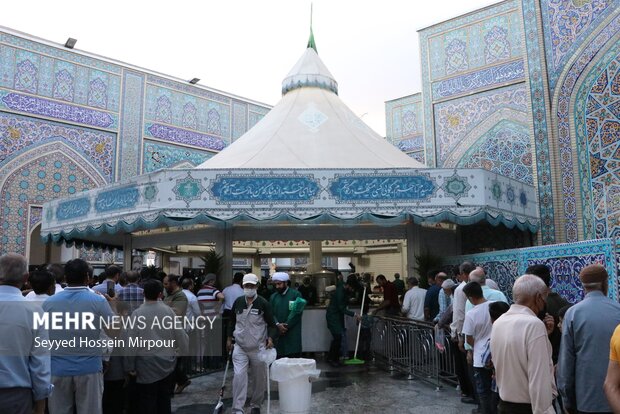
408,346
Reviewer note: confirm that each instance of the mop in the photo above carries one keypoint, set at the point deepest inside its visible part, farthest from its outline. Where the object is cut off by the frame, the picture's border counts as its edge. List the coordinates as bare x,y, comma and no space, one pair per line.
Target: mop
354,360
219,407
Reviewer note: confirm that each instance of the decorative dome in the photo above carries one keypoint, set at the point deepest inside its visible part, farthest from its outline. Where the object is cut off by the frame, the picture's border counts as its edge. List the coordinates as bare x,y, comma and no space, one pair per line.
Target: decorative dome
309,71
310,128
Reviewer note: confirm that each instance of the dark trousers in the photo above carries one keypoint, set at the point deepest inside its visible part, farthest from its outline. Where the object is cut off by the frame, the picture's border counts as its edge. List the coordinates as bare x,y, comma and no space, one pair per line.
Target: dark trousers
131,396
483,378
460,368
113,400
513,408
16,400
155,397
334,348
180,371
470,376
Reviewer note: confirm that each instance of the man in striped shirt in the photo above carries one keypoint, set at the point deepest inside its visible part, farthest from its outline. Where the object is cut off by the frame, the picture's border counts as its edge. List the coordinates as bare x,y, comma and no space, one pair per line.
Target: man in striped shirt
210,300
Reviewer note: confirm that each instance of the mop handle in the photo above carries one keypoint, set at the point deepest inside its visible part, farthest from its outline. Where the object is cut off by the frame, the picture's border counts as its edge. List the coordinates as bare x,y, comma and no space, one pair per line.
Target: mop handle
359,327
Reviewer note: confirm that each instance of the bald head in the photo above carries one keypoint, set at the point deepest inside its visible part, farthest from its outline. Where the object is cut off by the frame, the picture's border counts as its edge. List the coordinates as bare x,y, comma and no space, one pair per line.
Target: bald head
478,275
527,289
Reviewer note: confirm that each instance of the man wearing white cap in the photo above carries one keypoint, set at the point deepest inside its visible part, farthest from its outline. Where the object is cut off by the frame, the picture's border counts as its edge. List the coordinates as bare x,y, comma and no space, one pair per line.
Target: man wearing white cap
252,327
288,306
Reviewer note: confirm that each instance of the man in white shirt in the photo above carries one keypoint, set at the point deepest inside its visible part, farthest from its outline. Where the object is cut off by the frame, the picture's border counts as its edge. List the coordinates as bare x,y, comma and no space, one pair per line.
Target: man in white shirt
522,352
478,275
232,292
477,331
456,328
193,308
43,285
413,303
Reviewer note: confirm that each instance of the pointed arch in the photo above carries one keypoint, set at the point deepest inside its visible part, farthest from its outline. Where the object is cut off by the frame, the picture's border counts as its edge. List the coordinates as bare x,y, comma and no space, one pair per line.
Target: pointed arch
35,176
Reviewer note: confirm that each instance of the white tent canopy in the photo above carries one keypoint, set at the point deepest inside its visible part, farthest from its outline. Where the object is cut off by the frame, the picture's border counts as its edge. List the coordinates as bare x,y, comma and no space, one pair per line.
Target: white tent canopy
310,162
310,128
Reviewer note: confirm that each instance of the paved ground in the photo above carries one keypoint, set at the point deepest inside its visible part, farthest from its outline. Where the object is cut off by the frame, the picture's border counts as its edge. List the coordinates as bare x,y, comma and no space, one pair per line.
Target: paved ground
347,390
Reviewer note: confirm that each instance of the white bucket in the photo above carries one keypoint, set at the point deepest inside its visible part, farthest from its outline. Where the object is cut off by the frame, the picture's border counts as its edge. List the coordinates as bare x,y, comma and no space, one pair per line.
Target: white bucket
294,386
295,396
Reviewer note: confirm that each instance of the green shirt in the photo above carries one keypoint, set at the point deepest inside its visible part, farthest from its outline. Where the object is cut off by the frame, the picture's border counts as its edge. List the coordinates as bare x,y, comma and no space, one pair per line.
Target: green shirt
336,310
286,311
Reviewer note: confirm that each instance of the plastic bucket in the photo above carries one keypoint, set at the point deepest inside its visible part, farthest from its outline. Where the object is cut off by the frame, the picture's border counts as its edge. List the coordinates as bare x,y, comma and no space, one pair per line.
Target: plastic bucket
295,396
294,386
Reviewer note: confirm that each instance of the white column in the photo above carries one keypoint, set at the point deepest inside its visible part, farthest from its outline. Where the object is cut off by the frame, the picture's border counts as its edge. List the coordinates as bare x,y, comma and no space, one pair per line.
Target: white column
127,250
224,247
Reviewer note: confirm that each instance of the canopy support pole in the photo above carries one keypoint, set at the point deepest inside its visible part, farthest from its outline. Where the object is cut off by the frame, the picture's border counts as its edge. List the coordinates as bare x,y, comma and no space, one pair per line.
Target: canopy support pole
413,246
224,247
315,260
256,266
127,252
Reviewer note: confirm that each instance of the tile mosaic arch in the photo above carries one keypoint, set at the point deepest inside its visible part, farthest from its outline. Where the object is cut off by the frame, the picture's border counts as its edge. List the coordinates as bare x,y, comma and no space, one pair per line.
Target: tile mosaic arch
504,149
456,119
34,178
567,23
568,87
20,134
434,41
597,127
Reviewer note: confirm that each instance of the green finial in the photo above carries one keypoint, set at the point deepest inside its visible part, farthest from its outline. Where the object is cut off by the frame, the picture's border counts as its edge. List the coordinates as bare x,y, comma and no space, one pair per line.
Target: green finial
311,39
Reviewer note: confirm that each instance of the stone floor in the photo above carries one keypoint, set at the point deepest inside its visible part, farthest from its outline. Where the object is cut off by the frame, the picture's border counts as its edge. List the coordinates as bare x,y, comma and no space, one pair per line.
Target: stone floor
346,390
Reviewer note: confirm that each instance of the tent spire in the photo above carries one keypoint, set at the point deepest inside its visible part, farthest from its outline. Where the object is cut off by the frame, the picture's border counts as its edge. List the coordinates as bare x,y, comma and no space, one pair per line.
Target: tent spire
311,43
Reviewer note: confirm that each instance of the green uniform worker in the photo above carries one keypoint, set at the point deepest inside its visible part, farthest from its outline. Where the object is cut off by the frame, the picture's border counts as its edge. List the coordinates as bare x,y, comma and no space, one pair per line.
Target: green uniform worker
335,320
287,305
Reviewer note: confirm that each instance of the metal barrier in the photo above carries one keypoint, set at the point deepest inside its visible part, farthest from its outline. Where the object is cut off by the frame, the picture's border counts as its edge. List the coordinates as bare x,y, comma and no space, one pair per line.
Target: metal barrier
408,346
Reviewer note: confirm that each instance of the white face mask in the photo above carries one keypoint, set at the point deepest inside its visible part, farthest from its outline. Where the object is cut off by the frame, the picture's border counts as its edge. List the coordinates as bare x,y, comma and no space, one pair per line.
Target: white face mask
249,292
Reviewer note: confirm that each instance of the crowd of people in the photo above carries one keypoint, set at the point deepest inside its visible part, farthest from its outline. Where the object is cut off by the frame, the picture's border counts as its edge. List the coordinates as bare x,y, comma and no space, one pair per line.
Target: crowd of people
539,354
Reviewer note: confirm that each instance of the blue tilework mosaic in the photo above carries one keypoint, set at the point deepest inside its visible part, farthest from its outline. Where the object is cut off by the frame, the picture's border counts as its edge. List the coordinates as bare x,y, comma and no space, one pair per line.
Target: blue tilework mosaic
539,102
61,79
459,45
34,178
504,149
167,106
478,80
565,260
20,134
567,23
604,39
597,128
131,125
62,107
158,155
456,119
60,111
491,39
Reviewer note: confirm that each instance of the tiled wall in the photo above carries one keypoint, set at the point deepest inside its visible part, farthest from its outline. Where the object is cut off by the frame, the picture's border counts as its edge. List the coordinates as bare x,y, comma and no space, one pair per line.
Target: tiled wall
71,122
565,260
